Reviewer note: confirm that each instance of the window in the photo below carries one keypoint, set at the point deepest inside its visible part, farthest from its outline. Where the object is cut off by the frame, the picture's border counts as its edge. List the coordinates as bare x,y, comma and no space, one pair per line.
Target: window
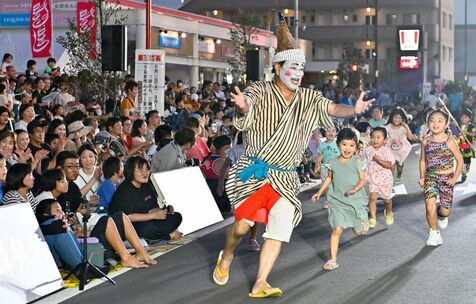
444,54
391,19
411,18
313,19
369,53
346,18
314,50
303,18
450,53
390,53
445,20
354,18
370,20
450,21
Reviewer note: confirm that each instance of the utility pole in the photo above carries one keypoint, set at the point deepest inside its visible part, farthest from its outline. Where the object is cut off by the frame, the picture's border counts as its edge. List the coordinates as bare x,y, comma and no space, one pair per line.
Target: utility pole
376,45
296,20
466,41
148,9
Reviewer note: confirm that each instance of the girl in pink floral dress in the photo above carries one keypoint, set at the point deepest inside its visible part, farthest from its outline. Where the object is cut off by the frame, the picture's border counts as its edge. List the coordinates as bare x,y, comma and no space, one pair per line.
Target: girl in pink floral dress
378,175
399,134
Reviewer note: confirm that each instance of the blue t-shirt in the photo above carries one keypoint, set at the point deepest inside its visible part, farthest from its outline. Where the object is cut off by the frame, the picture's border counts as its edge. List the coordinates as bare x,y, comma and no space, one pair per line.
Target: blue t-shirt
328,150
105,192
1,193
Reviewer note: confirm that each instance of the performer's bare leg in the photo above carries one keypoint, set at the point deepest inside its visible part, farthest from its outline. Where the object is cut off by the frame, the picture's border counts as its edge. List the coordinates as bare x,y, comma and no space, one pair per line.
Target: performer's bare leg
269,254
234,236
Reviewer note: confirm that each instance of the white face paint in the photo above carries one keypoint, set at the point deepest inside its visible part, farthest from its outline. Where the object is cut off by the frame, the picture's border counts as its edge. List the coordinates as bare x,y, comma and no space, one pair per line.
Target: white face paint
291,74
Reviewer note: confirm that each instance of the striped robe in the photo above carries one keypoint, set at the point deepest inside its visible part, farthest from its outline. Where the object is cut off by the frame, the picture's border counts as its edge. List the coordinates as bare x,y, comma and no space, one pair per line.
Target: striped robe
278,134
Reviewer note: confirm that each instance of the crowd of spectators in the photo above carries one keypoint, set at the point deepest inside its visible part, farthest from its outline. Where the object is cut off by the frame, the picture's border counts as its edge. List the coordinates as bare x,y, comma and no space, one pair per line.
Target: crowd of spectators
68,158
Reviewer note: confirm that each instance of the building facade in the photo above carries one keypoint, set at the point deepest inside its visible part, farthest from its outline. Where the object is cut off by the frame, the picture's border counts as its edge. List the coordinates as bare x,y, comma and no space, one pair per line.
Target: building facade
369,25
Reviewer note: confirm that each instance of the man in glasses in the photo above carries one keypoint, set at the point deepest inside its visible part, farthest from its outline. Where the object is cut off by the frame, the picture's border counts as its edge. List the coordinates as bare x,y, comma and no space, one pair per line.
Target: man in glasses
68,161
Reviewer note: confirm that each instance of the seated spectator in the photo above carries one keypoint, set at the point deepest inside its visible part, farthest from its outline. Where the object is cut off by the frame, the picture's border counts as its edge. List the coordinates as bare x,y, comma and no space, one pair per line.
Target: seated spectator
136,197
18,183
31,69
62,241
77,132
7,145
200,150
93,124
173,155
126,132
68,161
50,65
215,168
53,183
5,123
27,114
139,143
89,174
162,135
4,101
6,62
153,121
113,170
3,175
57,111
42,154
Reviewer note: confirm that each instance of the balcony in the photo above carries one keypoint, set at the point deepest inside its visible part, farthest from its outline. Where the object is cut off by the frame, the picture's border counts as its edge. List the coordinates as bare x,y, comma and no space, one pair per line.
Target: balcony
355,33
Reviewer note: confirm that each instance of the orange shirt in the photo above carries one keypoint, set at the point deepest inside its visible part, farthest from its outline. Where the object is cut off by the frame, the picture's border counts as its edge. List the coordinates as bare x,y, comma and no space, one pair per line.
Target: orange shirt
127,103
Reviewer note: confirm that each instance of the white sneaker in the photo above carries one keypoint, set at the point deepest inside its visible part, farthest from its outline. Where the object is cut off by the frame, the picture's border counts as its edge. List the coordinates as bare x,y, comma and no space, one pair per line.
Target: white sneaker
442,222
434,239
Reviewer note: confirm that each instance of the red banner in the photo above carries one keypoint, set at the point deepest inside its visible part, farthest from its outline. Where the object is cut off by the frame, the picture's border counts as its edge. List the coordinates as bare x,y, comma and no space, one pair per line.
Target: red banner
86,22
41,30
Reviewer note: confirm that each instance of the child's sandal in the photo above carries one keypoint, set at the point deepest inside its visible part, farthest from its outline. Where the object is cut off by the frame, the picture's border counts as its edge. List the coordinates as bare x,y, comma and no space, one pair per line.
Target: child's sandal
330,265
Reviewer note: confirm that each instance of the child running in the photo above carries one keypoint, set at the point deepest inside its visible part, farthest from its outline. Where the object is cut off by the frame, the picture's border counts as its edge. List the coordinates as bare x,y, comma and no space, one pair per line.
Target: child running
438,152
346,195
379,175
399,135
328,150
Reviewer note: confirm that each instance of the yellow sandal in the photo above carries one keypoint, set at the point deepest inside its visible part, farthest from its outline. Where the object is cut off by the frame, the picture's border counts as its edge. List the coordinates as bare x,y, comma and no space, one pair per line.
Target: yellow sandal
218,274
266,291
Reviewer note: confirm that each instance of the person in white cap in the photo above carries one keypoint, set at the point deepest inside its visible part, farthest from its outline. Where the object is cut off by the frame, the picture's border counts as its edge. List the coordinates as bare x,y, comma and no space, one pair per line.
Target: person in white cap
76,135
277,119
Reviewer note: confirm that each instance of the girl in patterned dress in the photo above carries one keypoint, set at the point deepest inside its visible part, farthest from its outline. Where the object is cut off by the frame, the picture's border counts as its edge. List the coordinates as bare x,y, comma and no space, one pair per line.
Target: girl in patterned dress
399,135
381,163
438,153
346,195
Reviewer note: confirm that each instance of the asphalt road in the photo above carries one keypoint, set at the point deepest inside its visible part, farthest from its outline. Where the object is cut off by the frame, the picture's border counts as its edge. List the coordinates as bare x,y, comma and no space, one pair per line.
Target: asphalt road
388,265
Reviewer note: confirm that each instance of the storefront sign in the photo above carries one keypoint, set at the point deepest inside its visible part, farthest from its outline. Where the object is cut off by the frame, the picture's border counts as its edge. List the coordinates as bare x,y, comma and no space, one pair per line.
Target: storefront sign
169,41
150,73
41,30
409,62
16,13
206,46
409,39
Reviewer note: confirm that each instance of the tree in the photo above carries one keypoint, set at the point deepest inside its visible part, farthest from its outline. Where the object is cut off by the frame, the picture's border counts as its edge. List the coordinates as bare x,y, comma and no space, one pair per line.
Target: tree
350,56
89,78
246,25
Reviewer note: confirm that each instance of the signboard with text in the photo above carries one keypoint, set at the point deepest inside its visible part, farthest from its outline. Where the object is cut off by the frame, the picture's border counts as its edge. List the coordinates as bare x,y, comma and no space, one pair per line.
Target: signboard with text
409,39
14,13
150,73
409,62
170,42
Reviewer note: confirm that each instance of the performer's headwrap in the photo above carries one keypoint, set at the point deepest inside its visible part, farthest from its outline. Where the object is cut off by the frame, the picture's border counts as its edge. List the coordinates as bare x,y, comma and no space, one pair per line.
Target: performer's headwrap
288,51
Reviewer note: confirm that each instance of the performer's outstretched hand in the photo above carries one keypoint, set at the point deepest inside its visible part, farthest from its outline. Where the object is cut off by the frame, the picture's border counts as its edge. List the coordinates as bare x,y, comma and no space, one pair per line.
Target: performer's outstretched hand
362,106
239,100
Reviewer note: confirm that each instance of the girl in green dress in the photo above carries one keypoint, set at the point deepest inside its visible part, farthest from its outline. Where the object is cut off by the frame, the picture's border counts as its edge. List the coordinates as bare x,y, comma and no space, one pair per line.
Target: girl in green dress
346,195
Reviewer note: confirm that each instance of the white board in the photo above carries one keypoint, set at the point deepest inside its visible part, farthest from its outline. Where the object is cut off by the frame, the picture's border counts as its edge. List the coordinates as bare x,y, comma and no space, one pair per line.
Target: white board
150,73
187,190
27,268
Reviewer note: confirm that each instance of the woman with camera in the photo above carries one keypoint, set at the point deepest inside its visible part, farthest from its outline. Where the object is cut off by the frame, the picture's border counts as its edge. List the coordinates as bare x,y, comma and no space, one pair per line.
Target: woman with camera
136,197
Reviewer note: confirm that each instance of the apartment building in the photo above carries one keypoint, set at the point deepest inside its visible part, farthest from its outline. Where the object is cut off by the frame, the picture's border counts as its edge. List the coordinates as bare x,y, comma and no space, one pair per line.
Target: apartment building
326,26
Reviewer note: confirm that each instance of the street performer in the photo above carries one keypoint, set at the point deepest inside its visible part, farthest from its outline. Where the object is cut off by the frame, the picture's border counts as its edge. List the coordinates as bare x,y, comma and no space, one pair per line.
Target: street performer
277,119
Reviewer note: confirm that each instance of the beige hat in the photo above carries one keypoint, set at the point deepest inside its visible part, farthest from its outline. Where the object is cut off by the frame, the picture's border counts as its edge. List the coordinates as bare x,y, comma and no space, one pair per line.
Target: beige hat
288,47
77,126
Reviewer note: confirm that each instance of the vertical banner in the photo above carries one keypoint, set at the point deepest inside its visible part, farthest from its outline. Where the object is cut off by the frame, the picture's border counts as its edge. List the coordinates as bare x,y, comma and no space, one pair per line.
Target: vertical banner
86,23
150,73
41,30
